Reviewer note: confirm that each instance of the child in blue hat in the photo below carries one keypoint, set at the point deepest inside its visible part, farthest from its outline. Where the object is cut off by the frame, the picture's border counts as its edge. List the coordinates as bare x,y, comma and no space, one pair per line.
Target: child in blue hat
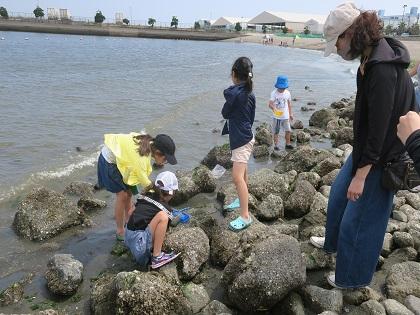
281,105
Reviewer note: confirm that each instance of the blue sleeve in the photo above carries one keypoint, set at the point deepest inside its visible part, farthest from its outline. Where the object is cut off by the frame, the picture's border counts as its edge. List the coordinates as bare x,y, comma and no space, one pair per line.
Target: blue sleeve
228,107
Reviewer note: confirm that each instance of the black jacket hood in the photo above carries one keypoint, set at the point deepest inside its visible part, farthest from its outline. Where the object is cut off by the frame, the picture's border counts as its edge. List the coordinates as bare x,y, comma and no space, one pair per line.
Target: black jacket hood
389,50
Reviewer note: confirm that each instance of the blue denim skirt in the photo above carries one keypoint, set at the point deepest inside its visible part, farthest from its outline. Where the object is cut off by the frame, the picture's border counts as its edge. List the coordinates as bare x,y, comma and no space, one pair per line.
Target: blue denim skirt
140,244
110,177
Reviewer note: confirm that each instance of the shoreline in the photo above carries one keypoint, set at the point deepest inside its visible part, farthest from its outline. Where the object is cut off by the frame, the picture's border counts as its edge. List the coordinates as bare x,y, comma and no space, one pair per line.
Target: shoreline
315,43
114,30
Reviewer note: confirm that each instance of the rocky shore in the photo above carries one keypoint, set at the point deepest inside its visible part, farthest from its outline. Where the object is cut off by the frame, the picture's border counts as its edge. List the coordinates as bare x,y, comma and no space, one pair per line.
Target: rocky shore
269,268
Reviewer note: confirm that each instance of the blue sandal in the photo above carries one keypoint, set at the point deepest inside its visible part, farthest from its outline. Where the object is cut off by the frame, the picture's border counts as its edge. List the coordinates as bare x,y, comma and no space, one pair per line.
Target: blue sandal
239,224
233,205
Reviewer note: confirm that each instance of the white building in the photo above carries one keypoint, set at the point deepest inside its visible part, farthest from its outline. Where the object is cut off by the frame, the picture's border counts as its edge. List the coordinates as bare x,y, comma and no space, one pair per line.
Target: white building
53,14
65,14
295,22
409,18
230,22
119,17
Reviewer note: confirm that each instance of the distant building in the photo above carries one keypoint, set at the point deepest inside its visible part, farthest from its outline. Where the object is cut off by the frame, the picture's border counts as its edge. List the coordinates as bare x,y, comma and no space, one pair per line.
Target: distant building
205,23
230,22
65,14
295,22
53,14
119,17
409,18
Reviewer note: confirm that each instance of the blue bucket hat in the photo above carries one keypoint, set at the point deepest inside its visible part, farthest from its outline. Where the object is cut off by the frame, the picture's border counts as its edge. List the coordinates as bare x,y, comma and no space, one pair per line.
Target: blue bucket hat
282,82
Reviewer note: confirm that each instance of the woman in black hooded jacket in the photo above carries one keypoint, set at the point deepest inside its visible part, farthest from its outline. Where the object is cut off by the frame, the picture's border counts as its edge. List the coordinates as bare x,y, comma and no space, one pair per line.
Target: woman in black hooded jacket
359,207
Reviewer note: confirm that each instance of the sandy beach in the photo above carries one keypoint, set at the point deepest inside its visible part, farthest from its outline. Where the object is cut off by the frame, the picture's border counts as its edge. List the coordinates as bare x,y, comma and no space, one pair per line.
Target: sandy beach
316,43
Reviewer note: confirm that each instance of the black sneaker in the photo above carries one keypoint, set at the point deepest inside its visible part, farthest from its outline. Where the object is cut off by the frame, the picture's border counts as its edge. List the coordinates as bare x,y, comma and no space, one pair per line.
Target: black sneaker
289,147
276,148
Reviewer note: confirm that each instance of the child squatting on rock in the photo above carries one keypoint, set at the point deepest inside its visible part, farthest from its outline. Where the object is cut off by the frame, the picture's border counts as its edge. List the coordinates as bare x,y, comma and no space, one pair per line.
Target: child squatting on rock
126,162
148,222
239,111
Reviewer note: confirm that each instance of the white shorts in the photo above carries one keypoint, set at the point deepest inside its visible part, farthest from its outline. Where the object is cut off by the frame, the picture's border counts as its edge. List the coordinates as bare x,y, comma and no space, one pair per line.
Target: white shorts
283,124
243,153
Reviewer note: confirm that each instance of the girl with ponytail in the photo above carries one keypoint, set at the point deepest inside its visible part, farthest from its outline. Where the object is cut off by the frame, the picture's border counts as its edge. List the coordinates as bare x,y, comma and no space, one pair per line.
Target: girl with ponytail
125,163
239,112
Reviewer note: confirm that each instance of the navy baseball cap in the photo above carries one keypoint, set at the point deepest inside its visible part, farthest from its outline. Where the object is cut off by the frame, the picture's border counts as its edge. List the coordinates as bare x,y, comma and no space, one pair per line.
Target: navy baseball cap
166,145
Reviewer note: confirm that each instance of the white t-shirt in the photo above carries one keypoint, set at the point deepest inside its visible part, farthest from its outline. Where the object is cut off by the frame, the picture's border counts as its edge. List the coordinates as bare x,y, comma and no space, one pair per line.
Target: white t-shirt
281,105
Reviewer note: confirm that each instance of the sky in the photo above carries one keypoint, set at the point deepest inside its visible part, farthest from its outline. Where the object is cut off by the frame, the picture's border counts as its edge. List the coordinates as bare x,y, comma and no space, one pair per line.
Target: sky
189,11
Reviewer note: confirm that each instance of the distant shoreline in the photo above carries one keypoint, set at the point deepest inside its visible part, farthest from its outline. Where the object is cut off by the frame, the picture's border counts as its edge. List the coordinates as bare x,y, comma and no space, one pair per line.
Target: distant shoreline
114,30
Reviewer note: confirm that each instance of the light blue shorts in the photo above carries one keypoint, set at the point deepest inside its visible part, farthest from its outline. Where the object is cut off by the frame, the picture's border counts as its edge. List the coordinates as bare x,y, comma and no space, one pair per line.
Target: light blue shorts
140,244
283,124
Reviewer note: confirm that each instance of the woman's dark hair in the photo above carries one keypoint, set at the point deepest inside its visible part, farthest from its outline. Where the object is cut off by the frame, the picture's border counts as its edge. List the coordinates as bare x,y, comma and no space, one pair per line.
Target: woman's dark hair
365,31
242,70
145,144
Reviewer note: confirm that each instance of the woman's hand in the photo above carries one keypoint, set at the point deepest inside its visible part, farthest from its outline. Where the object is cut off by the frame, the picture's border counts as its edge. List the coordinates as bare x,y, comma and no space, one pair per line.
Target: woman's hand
355,189
408,124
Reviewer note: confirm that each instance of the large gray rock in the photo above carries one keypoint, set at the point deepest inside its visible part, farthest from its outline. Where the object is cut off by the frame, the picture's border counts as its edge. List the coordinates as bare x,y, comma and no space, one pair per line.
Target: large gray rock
187,188
387,245
320,300
215,308
227,194
328,179
346,113
411,212
193,244
343,136
202,177
393,307
263,135
265,182
218,155
271,208
414,229
311,177
373,307
292,304
301,159
147,293
413,304
260,151
321,117
326,166
224,243
14,293
64,274
403,280
316,258
319,204
413,199
44,213
90,203
360,295
297,124
309,222
196,295
81,189
299,202
303,137
252,279
403,239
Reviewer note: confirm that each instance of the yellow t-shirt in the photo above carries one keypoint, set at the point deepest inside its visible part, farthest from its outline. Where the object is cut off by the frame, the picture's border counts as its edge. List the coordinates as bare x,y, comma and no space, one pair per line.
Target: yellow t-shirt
135,169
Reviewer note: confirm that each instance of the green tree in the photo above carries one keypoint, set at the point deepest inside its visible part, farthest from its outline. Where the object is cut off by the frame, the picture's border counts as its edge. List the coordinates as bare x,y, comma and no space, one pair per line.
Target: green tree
414,29
38,12
151,22
264,28
174,22
3,13
389,29
306,30
99,17
197,25
402,28
285,30
238,27
126,21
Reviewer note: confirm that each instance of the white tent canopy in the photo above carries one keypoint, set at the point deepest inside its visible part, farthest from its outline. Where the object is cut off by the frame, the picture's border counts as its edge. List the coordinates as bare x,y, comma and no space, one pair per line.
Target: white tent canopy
225,21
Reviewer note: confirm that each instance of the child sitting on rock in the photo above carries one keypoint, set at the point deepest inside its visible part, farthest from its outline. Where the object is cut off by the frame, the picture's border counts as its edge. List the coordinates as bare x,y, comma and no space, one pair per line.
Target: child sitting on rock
281,105
146,227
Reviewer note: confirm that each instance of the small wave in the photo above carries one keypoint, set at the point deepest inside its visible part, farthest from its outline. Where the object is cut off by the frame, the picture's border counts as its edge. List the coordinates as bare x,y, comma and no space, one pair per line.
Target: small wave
46,175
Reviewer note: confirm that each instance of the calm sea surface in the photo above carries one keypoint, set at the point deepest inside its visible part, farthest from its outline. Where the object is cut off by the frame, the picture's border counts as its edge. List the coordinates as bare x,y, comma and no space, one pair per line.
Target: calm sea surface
59,92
